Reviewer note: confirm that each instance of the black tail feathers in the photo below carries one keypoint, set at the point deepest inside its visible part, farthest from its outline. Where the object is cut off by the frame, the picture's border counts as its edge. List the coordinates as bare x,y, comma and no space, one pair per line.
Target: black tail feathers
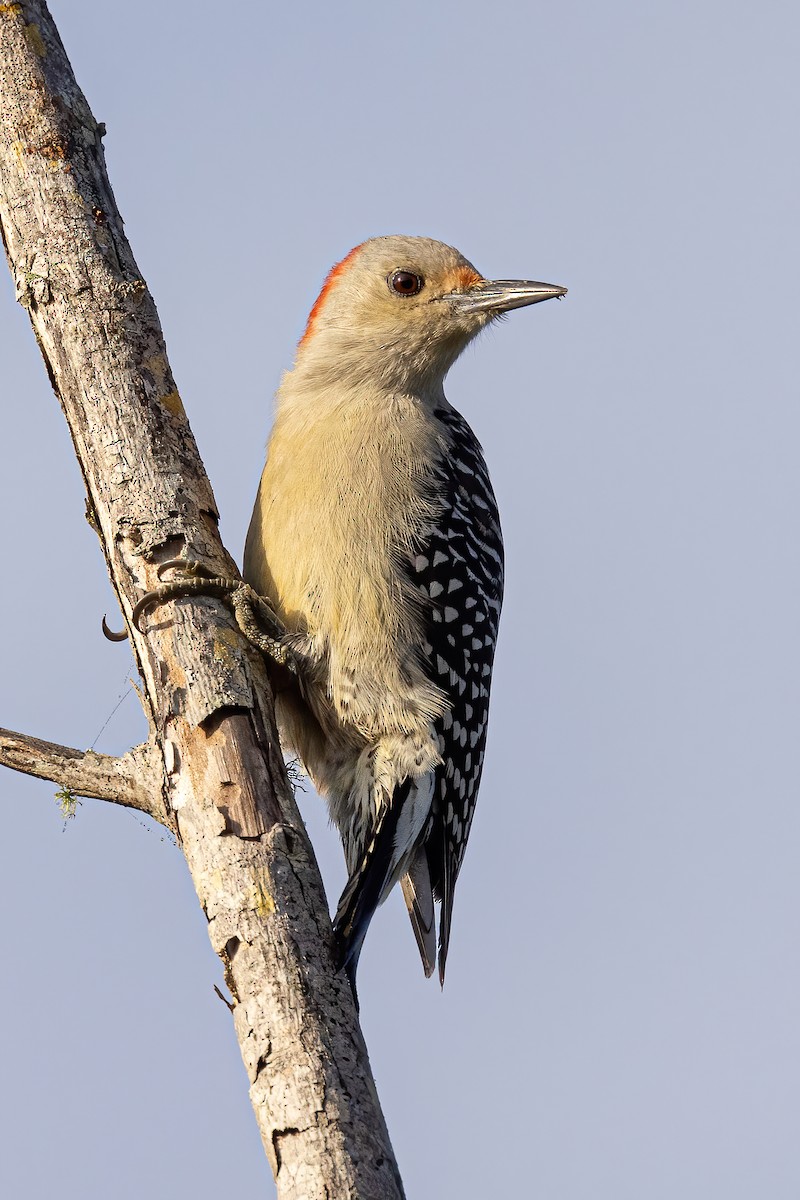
365,887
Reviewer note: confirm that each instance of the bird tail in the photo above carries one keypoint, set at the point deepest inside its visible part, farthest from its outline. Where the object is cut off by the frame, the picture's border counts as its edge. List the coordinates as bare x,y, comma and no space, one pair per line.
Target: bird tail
366,886
418,895
446,912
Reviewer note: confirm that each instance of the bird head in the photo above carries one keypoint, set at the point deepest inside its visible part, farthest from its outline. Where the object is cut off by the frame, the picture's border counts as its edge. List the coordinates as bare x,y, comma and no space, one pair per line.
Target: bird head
399,311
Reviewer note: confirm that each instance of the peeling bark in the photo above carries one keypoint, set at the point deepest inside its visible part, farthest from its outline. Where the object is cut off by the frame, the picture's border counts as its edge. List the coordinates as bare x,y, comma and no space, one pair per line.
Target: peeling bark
212,769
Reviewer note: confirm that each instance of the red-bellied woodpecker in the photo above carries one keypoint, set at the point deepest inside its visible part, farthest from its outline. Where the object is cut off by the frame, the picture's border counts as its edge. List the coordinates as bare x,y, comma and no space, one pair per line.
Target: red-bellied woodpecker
375,539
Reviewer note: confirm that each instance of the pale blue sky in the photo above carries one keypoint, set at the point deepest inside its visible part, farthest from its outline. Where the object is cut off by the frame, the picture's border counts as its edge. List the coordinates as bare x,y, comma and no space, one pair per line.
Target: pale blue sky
621,1014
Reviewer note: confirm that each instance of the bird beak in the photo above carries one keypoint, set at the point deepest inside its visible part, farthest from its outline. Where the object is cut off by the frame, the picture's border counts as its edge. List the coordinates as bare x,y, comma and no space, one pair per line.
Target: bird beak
501,295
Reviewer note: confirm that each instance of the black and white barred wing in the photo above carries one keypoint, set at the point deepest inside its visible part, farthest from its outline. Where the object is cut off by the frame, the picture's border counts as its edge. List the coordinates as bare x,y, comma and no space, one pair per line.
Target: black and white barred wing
459,569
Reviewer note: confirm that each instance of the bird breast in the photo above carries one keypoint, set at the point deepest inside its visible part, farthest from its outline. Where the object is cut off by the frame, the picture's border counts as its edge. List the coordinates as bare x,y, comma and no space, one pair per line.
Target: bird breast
341,507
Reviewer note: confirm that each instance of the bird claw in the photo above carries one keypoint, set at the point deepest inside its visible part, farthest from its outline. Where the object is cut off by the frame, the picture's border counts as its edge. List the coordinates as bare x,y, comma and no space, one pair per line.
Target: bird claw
194,573
112,634
195,580
188,567
254,616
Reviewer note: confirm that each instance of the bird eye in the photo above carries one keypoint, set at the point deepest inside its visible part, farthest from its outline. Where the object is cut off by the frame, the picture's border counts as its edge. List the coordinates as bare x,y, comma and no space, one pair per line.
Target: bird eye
405,283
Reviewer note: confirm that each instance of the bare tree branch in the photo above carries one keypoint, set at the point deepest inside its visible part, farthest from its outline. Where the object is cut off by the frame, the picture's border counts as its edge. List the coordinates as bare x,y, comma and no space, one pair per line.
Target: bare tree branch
206,695
134,780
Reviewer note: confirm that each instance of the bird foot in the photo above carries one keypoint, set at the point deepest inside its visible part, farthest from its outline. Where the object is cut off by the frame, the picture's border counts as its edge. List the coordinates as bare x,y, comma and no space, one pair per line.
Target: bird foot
253,614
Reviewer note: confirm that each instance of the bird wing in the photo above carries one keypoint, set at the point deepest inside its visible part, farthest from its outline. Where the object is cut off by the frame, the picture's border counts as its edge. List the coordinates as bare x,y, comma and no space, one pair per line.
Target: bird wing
459,569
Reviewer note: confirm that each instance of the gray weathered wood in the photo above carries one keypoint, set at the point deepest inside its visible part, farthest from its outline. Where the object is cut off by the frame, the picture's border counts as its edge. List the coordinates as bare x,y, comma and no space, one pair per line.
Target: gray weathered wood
133,780
213,755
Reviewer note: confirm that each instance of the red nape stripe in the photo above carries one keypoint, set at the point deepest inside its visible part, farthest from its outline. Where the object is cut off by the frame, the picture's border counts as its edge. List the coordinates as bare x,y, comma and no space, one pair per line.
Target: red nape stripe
330,280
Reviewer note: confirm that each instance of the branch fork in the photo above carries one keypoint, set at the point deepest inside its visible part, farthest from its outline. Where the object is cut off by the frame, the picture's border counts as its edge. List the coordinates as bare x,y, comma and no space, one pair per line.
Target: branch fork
133,780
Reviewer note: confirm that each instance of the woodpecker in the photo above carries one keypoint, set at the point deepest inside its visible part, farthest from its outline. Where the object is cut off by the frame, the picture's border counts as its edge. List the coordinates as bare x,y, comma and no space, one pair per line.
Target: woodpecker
376,541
